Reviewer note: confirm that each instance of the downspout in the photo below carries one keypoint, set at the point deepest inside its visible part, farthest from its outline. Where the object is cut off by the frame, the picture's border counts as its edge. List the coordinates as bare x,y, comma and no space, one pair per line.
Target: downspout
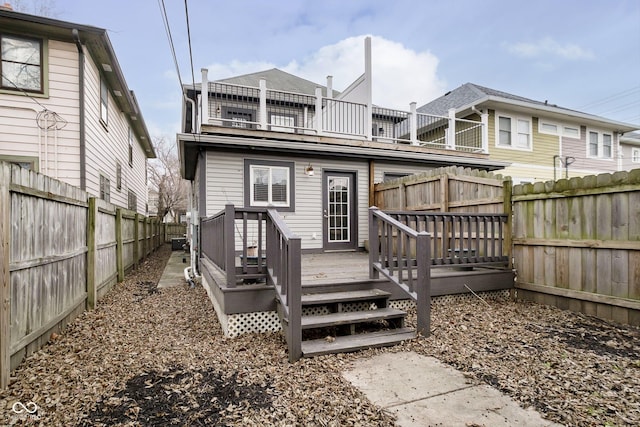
83,159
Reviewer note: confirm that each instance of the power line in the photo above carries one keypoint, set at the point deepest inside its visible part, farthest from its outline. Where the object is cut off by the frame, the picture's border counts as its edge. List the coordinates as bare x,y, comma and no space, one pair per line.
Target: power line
611,98
186,12
167,28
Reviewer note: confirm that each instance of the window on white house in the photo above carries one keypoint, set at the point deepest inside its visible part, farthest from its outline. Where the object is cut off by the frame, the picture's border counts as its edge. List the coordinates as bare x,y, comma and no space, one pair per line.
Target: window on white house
132,201
105,188
118,176
130,147
269,183
600,145
104,102
514,132
635,155
21,63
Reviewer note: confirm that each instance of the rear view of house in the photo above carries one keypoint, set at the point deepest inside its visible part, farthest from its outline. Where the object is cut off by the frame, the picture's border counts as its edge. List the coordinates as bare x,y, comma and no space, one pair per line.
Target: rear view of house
66,110
283,172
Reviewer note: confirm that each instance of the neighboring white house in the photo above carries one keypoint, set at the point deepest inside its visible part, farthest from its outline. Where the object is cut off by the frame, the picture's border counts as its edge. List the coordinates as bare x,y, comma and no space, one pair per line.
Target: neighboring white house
66,110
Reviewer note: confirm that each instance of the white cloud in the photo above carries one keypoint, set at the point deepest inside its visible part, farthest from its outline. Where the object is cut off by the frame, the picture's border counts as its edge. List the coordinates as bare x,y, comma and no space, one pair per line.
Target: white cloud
549,47
400,75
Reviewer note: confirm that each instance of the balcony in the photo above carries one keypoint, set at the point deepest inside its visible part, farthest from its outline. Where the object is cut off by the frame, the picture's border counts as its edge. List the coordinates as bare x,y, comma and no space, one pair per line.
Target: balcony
242,110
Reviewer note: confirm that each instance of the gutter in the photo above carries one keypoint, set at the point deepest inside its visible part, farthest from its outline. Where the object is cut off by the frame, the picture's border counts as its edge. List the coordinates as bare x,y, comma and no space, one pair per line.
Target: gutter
83,150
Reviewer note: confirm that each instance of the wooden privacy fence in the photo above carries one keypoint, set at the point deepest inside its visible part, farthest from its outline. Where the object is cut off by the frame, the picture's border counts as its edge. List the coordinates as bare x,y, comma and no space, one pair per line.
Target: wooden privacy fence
452,189
577,244
60,251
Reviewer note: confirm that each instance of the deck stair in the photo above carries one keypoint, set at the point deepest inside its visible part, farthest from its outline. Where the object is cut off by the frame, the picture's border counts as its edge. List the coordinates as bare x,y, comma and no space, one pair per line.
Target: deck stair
351,320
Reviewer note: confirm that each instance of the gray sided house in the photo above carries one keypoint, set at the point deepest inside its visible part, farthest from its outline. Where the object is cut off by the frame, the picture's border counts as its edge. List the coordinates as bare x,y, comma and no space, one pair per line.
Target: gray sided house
283,168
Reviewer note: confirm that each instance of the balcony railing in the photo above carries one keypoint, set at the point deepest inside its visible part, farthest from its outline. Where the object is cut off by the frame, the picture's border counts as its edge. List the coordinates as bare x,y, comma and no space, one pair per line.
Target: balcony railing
259,108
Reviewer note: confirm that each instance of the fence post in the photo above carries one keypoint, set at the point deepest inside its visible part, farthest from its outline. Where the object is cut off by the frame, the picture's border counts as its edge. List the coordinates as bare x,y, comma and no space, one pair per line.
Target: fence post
230,244
374,243
507,190
119,246
136,239
91,253
5,279
423,291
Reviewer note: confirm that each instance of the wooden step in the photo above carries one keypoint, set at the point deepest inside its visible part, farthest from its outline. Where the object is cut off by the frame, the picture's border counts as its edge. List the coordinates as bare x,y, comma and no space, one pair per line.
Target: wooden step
344,296
349,343
336,319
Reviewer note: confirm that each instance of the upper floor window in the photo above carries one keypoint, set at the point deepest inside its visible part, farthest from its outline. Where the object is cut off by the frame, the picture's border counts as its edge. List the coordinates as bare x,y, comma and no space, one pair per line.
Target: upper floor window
238,117
282,122
269,183
600,145
635,155
21,63
513,132
130,147
104,102
552,128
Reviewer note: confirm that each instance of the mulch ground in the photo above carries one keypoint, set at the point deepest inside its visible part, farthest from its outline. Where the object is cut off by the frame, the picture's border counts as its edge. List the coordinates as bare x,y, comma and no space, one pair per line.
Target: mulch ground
156,357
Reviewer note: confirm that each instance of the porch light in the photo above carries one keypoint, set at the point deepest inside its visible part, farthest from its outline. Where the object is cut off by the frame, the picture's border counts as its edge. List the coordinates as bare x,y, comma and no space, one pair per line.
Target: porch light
308,170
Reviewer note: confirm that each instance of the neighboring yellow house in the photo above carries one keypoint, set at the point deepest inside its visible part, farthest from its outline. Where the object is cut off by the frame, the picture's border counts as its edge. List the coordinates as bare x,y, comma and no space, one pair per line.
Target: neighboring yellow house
542,141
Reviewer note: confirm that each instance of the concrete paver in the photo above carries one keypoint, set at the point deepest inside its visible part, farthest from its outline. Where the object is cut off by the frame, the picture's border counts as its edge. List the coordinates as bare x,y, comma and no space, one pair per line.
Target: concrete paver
422,391
173,274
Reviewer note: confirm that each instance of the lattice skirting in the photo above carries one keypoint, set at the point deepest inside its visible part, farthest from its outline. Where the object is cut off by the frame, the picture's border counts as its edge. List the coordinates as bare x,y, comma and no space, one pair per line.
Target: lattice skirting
234,325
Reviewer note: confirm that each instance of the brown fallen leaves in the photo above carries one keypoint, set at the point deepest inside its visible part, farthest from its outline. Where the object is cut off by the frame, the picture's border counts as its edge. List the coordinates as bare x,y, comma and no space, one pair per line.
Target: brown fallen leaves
158,357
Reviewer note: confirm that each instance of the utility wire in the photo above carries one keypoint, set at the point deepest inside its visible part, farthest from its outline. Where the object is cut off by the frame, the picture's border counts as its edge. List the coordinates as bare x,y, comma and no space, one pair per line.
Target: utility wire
167,28
611,98
193,78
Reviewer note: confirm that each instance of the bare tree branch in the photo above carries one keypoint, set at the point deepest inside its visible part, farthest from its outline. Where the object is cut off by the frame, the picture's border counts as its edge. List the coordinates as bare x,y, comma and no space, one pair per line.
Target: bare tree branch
165,179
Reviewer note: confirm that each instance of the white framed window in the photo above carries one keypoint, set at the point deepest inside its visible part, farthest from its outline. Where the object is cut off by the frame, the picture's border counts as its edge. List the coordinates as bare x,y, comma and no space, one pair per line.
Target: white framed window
282,122
635,155
549,128
269,183
104,102
21,63
513,132
599,144
571,131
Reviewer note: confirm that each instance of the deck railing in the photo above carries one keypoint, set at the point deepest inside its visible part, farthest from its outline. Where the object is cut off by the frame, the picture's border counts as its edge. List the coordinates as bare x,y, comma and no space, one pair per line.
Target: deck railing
254,244
403,256
472,239
231,105
285,274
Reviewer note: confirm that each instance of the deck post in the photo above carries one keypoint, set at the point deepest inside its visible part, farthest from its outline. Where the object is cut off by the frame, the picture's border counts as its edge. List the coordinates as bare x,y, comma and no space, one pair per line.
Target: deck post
294,297
413,123
204,99
262,112
423,291
230,244
450,143
319,112
374,243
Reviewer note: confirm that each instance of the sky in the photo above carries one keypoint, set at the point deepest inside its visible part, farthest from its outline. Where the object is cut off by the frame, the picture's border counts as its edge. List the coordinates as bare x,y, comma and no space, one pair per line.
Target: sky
578,54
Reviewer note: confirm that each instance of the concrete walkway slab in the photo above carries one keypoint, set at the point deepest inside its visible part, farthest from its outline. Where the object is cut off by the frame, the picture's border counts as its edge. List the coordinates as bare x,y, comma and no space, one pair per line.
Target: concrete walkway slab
422,391
173,274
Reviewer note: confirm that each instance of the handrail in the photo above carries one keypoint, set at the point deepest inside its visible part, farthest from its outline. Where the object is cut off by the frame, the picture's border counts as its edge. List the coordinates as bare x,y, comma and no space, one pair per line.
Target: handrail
284,272
397,261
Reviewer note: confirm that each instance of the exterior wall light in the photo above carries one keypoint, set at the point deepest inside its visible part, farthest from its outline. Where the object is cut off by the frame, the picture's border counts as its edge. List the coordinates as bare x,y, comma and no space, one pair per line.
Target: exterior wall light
308,170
